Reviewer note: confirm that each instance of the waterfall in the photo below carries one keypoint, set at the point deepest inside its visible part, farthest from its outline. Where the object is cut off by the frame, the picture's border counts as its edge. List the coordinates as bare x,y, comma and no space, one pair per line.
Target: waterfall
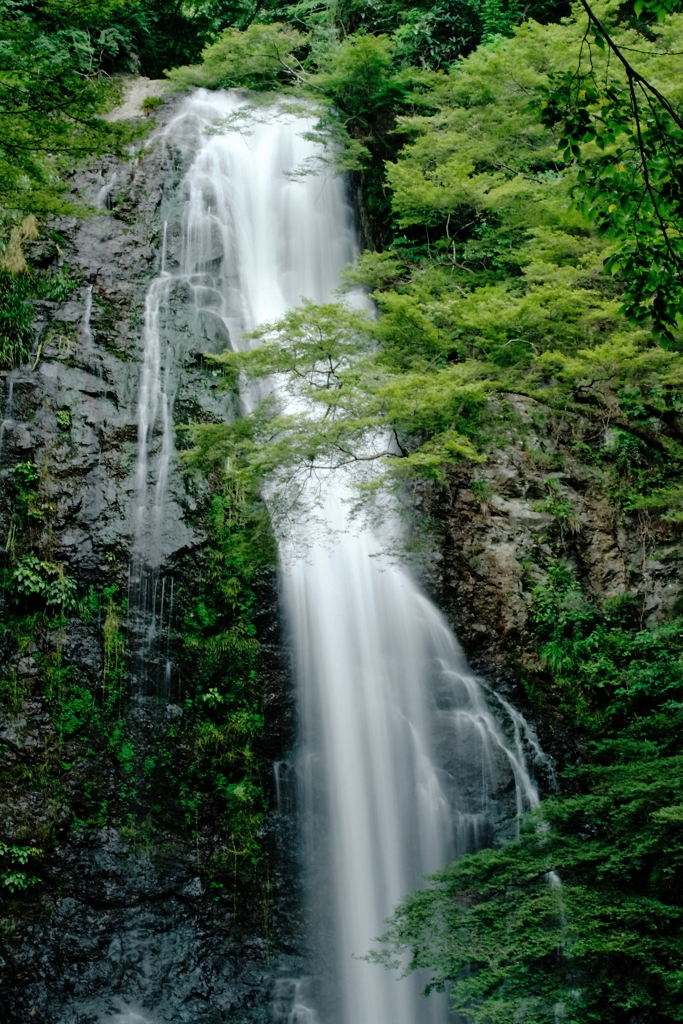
85,330
104,195
7,421
155,397
401,762
404,765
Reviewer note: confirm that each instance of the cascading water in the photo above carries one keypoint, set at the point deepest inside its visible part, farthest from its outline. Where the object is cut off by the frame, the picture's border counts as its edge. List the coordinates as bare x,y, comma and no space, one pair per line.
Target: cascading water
7,420
85,329
401,763
146,610
104,197
404,765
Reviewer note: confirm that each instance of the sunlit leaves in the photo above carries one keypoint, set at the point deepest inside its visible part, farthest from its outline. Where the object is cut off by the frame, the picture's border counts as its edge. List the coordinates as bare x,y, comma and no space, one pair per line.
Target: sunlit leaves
260,58
658,8
351,403
632,187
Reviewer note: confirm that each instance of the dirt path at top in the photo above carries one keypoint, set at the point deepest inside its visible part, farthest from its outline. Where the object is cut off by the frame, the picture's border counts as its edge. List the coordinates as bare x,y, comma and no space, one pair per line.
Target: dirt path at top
137,90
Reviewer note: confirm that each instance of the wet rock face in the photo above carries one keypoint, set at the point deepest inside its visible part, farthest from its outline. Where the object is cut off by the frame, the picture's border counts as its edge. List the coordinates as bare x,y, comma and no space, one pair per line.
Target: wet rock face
136,930
87,355
118,925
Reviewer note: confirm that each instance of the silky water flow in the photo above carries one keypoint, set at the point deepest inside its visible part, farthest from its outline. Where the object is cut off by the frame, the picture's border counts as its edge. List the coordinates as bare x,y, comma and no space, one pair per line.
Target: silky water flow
401,764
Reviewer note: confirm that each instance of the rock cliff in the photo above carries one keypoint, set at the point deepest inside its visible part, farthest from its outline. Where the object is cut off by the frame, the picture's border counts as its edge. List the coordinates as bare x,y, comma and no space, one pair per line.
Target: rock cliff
538,500
125,915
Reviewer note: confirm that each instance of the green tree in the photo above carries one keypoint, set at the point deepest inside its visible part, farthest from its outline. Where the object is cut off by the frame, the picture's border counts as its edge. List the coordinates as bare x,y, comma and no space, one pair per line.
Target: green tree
627,137
52,96
262,57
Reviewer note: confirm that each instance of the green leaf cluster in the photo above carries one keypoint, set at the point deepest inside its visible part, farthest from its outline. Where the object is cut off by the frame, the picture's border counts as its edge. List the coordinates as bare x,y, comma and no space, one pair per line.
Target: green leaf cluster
261,58
544,927
626,133
18,287
46,580
225,780
12,875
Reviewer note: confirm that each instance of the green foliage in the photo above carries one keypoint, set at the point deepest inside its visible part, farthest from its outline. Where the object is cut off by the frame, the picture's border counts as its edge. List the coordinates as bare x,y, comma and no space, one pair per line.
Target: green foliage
150,104
517,944
58,62
360,80
29,510
352,397
436,35
74,708
555,506
114,675
605,664
46,580
18,287
16,320
260,58
628,139
224,781
426,34
24,474
13,859
63,418
55,285
51,99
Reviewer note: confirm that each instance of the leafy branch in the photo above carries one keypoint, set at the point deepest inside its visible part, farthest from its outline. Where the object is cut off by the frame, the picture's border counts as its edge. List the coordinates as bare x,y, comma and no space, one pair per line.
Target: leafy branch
632,188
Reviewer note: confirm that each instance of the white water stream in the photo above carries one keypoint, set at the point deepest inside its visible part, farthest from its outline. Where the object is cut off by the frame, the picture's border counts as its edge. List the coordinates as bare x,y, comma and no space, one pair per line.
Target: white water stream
401,763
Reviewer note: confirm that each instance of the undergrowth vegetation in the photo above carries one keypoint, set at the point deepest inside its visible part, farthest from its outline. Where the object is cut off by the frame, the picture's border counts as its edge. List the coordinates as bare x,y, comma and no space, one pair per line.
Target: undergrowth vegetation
226,786
199,777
